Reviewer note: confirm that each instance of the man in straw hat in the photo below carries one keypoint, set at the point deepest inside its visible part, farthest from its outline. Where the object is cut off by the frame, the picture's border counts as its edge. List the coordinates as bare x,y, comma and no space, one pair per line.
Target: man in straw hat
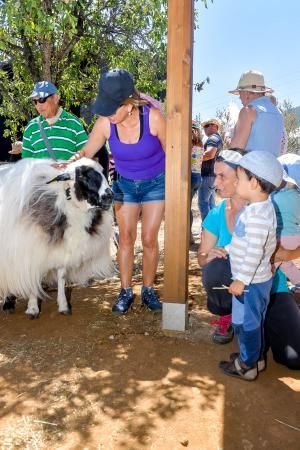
211,147
260,123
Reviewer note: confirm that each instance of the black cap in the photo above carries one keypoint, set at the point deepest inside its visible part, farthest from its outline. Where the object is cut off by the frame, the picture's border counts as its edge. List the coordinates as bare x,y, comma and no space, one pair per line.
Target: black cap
115,86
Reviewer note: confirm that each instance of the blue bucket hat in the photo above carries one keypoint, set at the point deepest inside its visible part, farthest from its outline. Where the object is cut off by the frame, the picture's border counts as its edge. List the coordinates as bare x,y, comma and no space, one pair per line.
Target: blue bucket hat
291,166
264,165
43,89
115,86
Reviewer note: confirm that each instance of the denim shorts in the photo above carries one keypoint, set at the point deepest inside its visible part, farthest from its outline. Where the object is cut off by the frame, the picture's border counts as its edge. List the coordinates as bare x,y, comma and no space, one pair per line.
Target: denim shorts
139,191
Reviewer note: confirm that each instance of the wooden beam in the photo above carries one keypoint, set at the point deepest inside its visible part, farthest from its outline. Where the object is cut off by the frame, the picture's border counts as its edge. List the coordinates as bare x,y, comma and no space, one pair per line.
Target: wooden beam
178,157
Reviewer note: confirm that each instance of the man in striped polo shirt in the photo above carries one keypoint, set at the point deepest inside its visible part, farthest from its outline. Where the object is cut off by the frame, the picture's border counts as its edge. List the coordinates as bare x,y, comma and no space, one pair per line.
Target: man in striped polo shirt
65,132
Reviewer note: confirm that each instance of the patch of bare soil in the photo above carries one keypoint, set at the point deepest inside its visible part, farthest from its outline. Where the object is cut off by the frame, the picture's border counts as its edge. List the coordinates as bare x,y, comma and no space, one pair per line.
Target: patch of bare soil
95,381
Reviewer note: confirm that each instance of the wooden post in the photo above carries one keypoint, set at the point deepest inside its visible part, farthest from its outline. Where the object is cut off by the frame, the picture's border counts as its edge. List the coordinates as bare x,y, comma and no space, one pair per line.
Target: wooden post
178,161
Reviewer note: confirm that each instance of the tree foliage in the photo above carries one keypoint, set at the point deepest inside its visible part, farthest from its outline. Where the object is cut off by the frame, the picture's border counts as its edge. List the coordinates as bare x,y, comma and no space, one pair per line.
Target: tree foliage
291,125
70,41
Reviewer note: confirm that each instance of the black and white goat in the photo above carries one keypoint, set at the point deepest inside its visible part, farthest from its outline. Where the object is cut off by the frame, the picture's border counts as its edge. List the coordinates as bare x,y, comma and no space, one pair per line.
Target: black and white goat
55,225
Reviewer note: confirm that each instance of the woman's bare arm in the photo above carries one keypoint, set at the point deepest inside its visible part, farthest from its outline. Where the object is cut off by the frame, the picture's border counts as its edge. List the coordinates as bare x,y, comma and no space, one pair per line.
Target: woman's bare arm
208,250
157,124
243,127
97,138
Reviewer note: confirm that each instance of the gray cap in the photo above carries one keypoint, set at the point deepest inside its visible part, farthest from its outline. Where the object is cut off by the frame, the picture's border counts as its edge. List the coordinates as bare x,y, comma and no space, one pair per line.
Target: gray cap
230,157
43,89
264,165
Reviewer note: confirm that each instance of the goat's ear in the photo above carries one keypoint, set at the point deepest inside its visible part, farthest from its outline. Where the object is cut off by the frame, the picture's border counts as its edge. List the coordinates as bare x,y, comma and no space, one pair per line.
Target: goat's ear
62,177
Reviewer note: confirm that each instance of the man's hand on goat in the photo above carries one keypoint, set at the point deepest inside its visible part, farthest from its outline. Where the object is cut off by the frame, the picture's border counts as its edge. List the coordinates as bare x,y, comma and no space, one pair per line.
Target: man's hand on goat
16,148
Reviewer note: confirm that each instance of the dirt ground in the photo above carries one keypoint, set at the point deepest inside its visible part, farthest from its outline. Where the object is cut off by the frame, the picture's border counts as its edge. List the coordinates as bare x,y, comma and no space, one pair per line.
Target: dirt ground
95,381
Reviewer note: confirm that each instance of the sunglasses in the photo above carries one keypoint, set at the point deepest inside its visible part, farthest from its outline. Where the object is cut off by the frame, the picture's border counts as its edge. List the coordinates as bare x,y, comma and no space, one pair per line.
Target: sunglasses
207,125
41,100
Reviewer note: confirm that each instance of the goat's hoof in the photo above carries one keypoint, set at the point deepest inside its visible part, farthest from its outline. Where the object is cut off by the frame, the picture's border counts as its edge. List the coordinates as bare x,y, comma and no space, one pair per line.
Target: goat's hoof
33,316
9,304
32,313
68,312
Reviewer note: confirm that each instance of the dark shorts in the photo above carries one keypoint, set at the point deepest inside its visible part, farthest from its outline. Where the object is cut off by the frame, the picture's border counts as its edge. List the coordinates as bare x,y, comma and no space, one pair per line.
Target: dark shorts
139,191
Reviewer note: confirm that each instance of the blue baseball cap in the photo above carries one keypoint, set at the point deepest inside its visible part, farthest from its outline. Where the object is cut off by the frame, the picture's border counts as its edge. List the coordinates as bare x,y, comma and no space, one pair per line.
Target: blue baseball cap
115,86
43,89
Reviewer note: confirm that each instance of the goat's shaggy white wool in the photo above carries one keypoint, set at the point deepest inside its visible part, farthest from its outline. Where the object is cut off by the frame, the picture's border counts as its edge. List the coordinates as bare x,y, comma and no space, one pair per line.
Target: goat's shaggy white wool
45,228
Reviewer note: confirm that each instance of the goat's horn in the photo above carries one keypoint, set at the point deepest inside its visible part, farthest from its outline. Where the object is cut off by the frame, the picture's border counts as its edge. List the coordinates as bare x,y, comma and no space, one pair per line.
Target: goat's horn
62,177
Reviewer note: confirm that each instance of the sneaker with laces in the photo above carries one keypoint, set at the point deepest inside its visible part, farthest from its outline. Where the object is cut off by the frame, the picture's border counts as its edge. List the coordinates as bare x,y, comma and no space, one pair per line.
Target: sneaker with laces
123,302
150,300
223,333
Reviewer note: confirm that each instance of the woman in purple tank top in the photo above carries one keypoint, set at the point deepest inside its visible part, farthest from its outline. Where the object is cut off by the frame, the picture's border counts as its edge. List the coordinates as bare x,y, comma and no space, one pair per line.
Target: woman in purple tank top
136,134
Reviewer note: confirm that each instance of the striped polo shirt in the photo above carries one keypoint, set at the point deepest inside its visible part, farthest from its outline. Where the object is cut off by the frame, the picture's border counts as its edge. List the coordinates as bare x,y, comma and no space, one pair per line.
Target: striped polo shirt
253,243
66,136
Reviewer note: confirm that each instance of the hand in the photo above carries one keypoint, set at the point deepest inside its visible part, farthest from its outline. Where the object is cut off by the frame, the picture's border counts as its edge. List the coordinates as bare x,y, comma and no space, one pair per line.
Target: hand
78,155
216,252
75,157
282,254
60,165
16,148
236,287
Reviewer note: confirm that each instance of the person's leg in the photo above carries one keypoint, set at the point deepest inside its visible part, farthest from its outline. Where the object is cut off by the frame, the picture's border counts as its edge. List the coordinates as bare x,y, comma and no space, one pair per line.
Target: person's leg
127,215
206,195
195,184
152,214
248,312
255,304
236,367
282,329
215,274
212,201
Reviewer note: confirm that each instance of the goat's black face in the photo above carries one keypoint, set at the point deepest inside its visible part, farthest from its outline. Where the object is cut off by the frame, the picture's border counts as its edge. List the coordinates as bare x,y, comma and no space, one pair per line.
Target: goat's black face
87,185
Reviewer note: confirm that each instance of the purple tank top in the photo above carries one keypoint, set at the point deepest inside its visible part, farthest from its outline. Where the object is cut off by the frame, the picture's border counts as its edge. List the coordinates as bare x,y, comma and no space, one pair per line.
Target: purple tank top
140,161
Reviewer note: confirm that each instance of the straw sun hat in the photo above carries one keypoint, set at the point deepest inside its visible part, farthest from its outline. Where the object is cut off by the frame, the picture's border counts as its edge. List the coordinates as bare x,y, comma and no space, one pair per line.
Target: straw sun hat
251,81
212,121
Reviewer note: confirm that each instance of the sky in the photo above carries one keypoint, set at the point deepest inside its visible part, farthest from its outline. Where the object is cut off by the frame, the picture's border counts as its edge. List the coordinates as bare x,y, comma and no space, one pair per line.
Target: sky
238,35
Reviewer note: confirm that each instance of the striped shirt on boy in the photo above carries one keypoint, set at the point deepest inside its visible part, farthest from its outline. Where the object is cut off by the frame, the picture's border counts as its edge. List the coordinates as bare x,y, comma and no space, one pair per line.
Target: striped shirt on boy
66,137
253,243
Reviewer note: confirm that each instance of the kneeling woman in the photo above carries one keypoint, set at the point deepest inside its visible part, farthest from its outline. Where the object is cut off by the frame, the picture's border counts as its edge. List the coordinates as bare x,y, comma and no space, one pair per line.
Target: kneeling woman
282,323
136,135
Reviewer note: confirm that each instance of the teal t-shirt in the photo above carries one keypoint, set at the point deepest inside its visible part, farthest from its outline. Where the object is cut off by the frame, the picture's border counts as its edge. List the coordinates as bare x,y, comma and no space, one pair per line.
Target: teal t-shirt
286,203
215,223
279,283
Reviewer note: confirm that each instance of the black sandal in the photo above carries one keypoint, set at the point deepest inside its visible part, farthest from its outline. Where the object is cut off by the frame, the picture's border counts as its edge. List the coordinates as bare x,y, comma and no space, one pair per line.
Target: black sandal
261,363
236,368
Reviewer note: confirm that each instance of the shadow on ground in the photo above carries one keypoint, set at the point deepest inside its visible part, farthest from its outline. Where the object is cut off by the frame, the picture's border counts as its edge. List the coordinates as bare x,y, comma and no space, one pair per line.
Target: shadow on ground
95,381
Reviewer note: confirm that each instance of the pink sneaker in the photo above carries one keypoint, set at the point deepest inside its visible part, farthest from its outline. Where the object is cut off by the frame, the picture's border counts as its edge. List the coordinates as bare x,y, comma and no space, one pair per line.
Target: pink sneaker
223,333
